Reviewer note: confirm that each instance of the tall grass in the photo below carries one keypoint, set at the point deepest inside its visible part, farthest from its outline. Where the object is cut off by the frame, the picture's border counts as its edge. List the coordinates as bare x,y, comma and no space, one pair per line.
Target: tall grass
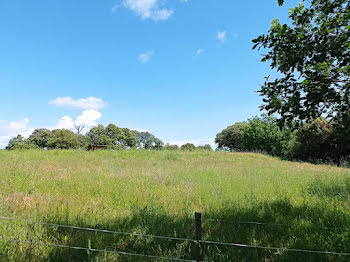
157,192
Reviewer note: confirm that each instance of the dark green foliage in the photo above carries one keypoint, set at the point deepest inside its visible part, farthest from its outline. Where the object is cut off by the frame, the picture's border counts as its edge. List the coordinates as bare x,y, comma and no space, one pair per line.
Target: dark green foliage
231,137
264,134
188,146
63,139
98,136
205,147
40,137
19,142
313,141
313,57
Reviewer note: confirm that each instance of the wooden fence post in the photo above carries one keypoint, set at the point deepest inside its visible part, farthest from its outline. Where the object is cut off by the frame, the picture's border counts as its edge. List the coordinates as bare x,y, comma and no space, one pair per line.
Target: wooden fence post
198,230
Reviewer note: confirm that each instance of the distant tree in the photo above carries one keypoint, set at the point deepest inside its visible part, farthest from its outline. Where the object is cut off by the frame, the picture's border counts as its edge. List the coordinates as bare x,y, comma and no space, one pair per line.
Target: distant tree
188,147
205,147
264,134
232,137
19,142
129,138
98,136
79,128
171,147
148,141
40,137
117,136
63,139
312,57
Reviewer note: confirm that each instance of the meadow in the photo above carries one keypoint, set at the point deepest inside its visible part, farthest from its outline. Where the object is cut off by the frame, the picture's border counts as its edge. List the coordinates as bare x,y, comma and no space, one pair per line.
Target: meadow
305,206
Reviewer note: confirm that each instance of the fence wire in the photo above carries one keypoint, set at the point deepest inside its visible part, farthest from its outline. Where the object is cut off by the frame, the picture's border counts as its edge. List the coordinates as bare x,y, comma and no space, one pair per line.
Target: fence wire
217,243
93,249
97,230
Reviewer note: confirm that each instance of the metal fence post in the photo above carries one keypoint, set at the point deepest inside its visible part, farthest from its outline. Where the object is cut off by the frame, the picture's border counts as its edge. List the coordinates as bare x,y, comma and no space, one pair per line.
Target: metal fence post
198,230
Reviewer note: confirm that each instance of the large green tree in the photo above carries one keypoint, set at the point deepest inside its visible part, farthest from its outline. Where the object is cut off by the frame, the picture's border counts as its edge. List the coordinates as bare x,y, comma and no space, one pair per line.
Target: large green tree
19,142
312,57
40,137
63,139
231,137
148,141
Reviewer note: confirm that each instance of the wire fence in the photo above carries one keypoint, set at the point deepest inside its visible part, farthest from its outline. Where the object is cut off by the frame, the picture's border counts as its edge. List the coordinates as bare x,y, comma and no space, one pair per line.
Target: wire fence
198,241
93,249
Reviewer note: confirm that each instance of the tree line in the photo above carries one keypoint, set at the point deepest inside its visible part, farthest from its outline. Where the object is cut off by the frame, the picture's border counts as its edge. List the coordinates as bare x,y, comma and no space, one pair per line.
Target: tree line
316,141
111,137
310,95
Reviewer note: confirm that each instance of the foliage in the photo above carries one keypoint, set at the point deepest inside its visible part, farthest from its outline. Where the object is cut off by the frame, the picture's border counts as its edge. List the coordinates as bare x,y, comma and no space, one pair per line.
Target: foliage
98,136
314,141
264,134
188,146
232,137
171,147
148,141
205,147
313,57
63,139
19,142
40,137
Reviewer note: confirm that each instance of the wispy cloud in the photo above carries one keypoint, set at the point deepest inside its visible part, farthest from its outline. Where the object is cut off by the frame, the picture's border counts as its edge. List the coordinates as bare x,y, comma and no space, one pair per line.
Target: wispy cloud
81,103
145,57
146,9
222,36
199,51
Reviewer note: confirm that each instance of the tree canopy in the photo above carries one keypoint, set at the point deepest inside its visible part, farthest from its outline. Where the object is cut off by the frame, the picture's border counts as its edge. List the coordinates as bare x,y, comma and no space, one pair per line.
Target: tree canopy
312,55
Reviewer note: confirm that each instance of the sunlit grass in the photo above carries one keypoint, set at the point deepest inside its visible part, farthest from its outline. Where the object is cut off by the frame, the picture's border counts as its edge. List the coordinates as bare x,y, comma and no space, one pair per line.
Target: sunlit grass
157,193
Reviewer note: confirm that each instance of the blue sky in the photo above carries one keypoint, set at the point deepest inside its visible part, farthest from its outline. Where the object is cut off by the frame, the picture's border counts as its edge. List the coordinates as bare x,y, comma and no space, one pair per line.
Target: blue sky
183,70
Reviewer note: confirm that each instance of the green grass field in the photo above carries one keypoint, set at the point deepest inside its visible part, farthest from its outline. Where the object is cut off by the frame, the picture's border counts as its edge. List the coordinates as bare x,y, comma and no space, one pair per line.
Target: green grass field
157,193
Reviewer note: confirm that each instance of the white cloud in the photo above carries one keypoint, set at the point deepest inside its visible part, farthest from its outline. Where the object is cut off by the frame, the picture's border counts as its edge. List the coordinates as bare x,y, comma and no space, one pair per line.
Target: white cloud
81,103
145,57
11,129
65,122
199,51
222,36
146,9
87,117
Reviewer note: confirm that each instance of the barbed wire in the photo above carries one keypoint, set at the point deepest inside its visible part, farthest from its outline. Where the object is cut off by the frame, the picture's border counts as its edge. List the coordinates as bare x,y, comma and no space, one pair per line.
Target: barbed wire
94,249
